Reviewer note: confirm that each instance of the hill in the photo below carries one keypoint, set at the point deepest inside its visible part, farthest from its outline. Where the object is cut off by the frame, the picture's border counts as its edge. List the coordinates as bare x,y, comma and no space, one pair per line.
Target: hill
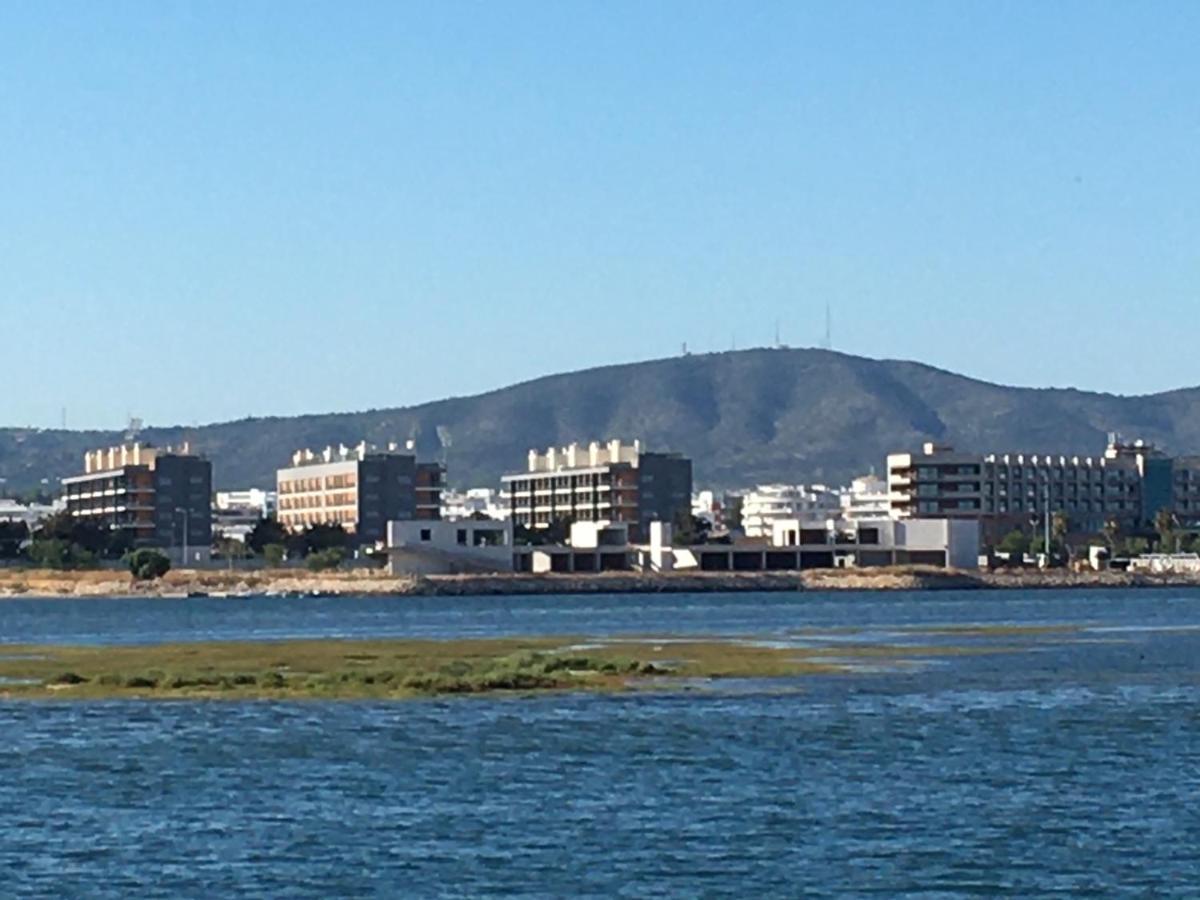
744,417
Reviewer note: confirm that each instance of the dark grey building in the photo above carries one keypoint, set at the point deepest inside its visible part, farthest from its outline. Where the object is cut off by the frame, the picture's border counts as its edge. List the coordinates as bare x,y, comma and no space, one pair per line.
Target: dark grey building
159,496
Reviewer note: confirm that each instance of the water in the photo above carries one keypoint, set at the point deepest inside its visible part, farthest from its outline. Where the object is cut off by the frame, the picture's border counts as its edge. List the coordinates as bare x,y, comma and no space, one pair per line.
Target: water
1068,764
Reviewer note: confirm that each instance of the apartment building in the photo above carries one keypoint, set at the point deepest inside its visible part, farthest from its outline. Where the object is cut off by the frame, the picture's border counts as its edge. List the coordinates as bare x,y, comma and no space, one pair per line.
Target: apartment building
1129,483
160,496
768,503
361,488
866,498
611,482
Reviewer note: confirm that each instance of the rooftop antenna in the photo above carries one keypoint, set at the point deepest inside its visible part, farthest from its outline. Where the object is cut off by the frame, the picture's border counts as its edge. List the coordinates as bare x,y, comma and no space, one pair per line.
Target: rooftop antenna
685,349
828,345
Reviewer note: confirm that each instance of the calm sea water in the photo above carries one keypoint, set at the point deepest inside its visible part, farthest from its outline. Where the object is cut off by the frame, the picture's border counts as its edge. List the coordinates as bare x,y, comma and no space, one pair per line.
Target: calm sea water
1065,762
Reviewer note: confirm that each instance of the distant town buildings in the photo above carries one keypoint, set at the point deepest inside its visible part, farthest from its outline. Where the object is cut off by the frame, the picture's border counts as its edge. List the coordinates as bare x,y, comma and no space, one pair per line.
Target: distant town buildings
866,498
31,514
475,503
161,497
361,488
767,503
610,482
1130,483
236,513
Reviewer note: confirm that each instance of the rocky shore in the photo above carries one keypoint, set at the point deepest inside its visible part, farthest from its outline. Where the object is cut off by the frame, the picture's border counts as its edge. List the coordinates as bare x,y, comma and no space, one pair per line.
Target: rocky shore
41,583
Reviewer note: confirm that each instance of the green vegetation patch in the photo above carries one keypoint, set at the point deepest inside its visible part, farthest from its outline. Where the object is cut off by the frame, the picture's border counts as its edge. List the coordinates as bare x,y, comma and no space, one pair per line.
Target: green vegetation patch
344,669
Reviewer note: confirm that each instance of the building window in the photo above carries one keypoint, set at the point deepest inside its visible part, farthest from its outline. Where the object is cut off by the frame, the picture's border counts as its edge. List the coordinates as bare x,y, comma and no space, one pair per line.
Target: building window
462,536
426,534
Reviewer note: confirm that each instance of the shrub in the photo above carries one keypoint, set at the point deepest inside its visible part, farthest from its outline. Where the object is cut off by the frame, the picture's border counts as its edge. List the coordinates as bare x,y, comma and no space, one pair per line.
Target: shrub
273,554
147,564
68,678
321,560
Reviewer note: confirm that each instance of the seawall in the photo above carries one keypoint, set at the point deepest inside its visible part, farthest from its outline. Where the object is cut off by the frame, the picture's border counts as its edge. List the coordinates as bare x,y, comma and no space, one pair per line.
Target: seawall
41,583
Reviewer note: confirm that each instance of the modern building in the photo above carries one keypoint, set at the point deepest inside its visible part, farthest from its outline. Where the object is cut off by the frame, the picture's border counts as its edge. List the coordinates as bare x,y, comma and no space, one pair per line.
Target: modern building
475,503
769,502
161,497
423,547
236,513
866,498
361,488
1130,483
611,482
799,545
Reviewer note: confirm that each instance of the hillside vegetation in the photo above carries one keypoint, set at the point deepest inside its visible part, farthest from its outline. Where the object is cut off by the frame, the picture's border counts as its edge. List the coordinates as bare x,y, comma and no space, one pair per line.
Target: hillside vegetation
744,417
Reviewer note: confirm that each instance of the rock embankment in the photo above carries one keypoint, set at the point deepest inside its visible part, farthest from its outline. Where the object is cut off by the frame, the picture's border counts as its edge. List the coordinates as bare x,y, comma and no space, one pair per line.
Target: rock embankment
38,583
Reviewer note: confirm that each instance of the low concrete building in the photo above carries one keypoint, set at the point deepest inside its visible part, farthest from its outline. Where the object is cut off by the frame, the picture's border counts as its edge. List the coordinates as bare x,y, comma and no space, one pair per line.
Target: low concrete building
436,547
797,545
1166,563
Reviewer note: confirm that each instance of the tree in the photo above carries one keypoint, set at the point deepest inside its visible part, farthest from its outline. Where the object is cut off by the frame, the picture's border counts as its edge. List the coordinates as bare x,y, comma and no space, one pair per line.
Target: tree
1015,543
1136,546
273,554
62,526
266,531
325,536
56,553
12,538
690,530
1060,527
1112,531
148,563
1165,524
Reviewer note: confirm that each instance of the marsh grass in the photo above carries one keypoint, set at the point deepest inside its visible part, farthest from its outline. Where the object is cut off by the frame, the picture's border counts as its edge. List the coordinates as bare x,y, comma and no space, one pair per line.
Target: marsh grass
350,669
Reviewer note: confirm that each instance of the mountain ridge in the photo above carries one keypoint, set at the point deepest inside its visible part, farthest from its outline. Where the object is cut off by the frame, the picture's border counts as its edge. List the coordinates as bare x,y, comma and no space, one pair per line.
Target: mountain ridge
744,416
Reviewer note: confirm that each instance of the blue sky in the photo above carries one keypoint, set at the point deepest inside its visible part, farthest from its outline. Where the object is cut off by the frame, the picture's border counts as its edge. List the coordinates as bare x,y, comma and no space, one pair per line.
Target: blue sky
210,210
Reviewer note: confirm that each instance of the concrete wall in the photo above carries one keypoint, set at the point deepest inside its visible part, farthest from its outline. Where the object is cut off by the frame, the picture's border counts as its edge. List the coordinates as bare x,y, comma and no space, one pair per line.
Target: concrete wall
432,547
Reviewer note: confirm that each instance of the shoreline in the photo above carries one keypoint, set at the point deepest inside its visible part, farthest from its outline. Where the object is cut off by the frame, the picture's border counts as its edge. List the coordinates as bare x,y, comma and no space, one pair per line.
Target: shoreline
31,583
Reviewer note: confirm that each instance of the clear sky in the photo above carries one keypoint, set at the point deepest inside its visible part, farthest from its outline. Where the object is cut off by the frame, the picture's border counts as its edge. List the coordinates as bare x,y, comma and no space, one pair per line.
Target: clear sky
210,210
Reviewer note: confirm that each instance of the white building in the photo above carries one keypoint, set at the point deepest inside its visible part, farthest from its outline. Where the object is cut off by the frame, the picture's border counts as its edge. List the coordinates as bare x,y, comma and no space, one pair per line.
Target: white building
255,499
32,514
768,502
434,547
473,503
866,498
798,545
235,513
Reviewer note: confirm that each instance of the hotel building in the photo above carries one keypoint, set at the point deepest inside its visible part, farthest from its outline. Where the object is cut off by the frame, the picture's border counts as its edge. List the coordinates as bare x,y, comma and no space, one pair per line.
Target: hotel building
1130,482
158,495
611,482
360,488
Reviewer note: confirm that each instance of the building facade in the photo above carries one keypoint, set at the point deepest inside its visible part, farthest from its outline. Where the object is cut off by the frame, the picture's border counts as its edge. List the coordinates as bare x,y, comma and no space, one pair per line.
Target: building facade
161,497
1129,484
611,482
768,503
236,513
361,488
475,503
866,498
